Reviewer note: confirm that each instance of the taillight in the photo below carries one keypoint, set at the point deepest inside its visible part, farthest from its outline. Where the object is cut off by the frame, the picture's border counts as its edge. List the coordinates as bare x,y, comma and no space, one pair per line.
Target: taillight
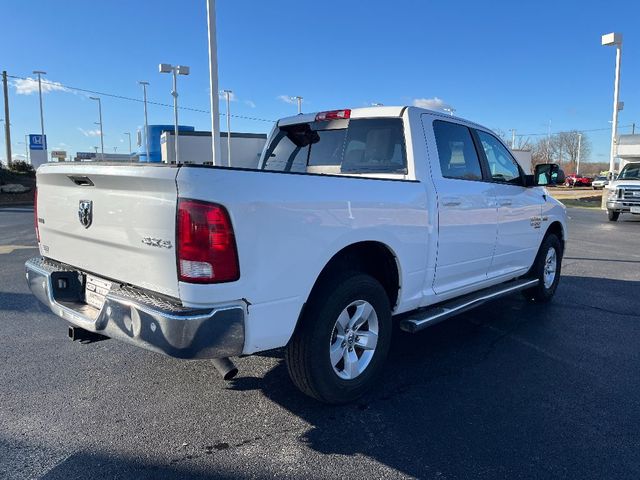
35,214
333,115
206,245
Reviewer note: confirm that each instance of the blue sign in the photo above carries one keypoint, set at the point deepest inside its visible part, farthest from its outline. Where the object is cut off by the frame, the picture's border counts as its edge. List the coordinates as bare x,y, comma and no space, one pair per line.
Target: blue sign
37,142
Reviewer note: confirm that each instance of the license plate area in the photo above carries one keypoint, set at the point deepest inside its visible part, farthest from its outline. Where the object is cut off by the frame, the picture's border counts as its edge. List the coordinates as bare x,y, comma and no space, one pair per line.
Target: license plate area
635,209
95,291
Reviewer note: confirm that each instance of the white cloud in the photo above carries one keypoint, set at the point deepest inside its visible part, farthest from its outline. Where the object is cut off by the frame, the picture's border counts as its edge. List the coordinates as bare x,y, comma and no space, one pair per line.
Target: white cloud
434,103
286,99
90,133
27,86
223,96
250,103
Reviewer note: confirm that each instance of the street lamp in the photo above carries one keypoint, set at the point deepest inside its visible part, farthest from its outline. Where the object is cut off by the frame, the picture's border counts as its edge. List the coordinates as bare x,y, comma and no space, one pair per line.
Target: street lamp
213,82
40,73
129,135
298,99
100,123
175,70
146,122
578,159
449,110
227,94
614,39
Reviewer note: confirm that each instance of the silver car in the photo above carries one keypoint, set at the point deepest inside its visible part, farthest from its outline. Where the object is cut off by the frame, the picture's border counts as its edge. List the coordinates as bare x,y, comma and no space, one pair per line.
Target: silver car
600,182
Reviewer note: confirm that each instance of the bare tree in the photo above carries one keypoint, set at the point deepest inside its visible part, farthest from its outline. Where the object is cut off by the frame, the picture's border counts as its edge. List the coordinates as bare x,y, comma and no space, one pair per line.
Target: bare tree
564,149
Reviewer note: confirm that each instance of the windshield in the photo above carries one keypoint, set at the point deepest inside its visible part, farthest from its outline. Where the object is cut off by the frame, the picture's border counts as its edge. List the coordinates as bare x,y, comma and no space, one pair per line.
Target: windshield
630,172
372,145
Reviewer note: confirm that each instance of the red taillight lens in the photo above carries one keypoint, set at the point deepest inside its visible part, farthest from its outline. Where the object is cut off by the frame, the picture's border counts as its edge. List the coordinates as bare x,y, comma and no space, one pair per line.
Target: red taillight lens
333,115
35,214
206,245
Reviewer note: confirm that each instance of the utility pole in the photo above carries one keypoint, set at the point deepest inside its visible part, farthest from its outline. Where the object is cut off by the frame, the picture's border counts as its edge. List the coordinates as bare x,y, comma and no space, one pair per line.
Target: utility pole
513,138
633,128
298,99
549,143
7,123
227,94
578,161
213,82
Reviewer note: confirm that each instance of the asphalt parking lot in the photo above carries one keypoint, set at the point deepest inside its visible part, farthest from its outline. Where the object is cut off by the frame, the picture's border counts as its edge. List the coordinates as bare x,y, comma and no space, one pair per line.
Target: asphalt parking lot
510,390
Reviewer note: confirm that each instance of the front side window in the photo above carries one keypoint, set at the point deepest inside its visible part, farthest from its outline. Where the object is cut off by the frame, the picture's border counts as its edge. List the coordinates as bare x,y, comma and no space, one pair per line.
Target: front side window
373,145
457,153
502,166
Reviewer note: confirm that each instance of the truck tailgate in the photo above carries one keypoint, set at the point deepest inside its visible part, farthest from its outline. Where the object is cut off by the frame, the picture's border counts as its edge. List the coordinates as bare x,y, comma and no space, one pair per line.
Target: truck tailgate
115,221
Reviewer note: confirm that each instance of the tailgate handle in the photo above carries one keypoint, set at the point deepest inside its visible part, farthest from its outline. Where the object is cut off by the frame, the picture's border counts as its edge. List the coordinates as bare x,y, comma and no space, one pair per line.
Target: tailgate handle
81,180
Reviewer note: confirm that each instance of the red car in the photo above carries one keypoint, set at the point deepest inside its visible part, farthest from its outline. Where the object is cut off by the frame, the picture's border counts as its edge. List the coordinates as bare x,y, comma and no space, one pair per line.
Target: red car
574,180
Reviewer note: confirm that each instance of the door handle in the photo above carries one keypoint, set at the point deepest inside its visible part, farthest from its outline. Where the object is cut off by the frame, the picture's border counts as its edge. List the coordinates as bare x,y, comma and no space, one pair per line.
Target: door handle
451,202
505,203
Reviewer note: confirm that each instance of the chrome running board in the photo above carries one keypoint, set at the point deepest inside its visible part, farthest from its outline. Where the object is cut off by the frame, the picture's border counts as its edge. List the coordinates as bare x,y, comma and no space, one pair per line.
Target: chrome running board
433,314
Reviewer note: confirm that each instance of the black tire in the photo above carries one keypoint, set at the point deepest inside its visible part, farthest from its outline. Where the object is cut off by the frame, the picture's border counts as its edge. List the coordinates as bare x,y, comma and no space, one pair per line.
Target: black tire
307,355
542,293
613,216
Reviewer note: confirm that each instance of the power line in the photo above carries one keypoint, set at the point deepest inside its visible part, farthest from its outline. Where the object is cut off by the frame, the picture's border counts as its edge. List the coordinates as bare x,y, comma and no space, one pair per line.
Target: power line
131,99
569,131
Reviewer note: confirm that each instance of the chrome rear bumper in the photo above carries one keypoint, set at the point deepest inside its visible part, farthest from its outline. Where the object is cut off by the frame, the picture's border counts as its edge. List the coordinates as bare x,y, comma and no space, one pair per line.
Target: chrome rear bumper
146,320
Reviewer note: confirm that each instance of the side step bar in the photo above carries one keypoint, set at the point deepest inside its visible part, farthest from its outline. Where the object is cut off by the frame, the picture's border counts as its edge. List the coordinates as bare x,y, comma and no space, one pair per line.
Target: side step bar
428,316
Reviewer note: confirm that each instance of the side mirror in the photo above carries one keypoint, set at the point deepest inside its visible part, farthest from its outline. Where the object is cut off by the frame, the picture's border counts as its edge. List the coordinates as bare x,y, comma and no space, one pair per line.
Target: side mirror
547,174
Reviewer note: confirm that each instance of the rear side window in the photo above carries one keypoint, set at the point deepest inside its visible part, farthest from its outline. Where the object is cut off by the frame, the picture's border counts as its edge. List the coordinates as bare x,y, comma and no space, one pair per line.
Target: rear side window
457,153
373,145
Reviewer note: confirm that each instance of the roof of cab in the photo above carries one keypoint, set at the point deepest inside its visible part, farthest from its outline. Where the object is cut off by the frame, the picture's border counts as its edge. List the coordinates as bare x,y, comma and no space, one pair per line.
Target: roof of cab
370,112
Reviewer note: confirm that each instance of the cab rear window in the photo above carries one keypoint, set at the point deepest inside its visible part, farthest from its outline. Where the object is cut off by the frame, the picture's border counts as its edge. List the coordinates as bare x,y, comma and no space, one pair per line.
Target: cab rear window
353,146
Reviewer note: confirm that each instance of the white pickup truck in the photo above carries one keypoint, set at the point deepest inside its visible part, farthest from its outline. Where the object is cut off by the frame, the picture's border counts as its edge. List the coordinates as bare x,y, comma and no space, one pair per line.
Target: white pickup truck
353,220
623,193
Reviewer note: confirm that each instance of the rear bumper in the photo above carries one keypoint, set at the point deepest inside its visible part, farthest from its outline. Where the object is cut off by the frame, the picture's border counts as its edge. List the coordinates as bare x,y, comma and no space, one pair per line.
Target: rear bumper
152,322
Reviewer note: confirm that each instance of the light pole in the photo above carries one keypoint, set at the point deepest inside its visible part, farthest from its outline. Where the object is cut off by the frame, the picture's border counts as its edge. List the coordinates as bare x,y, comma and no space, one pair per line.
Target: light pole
40,73
146,122
578,160
513,138
213,82
175,70
298,99
614,39
449,110
100,123
227,94
129,135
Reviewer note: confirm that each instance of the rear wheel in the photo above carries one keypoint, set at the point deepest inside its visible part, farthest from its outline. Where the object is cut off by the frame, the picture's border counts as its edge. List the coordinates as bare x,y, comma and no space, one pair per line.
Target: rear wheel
546,269
342,341
613,216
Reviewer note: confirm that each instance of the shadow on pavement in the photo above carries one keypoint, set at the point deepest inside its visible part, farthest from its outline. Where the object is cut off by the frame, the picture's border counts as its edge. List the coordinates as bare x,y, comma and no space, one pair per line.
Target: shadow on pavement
20,302
500,392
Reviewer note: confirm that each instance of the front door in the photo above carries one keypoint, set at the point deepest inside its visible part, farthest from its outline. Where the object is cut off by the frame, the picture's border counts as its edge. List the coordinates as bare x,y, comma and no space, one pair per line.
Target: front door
519,210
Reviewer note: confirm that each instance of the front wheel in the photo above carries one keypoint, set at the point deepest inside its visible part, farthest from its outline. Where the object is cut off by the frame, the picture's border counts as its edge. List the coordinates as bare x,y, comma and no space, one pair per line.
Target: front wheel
613,216
342,341
546,269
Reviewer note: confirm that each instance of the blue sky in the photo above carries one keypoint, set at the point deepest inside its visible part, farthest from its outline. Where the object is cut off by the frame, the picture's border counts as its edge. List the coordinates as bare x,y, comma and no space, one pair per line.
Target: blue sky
503,64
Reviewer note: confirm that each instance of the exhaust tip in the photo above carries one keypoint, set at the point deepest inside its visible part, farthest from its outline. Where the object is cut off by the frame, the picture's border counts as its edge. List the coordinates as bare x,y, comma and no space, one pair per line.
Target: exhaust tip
225,368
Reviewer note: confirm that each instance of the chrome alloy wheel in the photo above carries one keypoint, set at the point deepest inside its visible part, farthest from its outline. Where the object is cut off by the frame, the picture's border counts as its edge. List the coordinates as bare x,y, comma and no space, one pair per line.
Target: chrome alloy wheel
550,267
354,339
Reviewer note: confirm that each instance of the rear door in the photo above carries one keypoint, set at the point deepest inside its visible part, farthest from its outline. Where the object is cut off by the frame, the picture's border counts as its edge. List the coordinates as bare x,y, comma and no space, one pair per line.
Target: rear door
117,222
467,212
519,209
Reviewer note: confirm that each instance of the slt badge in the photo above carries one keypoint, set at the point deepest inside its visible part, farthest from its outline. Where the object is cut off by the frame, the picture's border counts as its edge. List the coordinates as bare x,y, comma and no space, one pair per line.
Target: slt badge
85,213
